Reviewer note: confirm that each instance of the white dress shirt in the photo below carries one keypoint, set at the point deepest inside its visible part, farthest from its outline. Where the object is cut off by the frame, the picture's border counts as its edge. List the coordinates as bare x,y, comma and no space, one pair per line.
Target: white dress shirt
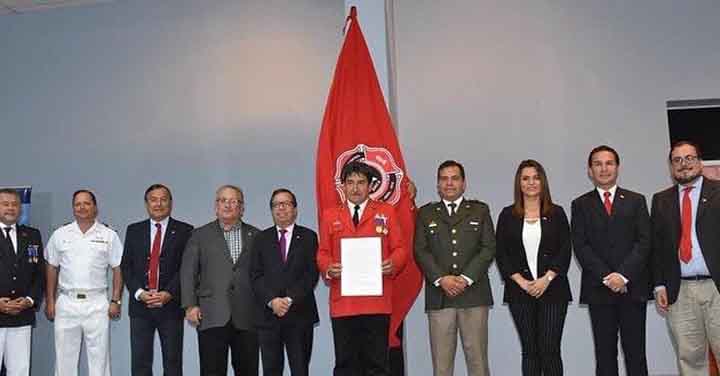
612,191
457,203
351,206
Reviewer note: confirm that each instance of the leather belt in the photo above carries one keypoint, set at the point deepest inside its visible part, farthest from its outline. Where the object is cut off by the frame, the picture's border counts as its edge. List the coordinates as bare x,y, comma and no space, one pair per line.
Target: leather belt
82,294
696,278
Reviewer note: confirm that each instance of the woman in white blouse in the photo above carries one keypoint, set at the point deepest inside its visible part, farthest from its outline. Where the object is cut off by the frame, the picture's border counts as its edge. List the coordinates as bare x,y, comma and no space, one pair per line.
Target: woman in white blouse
533,255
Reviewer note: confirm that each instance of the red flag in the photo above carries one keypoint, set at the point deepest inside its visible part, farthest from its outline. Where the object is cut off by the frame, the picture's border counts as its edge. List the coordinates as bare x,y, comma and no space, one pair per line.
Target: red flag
357,126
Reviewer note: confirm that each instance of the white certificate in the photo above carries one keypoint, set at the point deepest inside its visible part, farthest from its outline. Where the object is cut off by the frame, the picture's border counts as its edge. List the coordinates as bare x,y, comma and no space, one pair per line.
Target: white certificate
361,260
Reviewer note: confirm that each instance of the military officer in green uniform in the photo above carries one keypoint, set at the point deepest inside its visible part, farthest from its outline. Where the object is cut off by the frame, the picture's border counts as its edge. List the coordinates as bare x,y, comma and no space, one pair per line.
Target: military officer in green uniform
454,247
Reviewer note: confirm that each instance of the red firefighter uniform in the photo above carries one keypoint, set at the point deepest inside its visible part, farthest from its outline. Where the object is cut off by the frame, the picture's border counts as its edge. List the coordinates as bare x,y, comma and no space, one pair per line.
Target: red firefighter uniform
378,219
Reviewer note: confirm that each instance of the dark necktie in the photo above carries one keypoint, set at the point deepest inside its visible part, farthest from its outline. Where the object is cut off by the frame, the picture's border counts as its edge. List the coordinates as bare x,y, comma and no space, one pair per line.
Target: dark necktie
356,216
9,239
608,204
452,207
154,265
283,245
686,238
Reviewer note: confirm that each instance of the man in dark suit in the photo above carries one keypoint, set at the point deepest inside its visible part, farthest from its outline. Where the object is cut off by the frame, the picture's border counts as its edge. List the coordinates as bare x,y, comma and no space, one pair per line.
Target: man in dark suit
454,247
151,270
21,284
686,258
215,288
611,238
284,275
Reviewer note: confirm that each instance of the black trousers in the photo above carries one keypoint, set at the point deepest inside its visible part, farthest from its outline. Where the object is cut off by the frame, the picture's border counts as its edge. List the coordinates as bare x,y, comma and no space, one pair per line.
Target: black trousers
297,340
397,354
540,327
213,346
142,344
628,319
361,345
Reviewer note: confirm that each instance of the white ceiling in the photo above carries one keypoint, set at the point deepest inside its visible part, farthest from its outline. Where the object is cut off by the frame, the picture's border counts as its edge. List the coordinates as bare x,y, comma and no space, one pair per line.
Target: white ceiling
10,7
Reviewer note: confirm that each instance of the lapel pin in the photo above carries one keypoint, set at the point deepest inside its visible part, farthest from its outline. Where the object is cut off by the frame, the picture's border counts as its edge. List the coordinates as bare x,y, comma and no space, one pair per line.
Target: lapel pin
704,199
544,218
467,206
438,208
622,196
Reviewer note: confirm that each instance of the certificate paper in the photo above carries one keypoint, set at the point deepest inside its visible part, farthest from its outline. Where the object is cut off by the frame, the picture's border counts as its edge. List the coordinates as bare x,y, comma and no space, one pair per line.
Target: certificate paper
361,260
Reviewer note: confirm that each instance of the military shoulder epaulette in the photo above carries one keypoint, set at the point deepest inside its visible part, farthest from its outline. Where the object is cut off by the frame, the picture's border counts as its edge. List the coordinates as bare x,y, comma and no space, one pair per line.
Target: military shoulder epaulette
431,203
55,227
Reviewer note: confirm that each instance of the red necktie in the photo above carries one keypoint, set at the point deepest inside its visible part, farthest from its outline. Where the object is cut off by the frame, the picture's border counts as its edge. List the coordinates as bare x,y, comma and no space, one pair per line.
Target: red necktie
283,243
608,204
686,237
154,266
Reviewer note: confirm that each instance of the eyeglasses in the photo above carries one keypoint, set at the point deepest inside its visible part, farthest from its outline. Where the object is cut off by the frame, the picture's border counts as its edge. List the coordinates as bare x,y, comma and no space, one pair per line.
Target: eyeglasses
229,201
283,204
688,159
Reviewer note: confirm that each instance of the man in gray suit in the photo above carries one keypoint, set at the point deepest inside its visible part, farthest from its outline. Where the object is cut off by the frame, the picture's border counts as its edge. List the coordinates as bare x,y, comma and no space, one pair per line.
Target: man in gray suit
215,288
454,246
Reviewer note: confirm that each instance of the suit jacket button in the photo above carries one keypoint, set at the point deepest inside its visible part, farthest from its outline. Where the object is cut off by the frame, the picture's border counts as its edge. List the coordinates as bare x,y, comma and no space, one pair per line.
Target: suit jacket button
454,253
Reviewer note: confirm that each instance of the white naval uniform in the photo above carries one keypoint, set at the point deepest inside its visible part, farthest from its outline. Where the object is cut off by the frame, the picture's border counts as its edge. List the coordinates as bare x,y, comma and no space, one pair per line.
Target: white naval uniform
81,310
15,345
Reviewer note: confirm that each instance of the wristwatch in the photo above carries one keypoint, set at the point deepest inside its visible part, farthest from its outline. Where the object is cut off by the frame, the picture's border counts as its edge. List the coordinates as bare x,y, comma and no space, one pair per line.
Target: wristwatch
550,277
118,302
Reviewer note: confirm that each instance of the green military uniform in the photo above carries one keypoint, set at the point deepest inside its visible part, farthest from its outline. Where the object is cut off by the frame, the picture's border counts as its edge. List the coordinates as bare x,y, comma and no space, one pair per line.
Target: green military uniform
461,244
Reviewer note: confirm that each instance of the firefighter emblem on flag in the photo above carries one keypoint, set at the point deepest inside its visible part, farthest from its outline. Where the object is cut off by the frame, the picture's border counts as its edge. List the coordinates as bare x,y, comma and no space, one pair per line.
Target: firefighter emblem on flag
387,176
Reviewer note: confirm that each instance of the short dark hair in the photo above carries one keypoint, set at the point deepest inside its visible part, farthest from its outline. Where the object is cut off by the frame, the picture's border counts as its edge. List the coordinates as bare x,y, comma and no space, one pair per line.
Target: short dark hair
451,163
79,191
679,143
157,186
600,148
283,190
11,191
359,168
